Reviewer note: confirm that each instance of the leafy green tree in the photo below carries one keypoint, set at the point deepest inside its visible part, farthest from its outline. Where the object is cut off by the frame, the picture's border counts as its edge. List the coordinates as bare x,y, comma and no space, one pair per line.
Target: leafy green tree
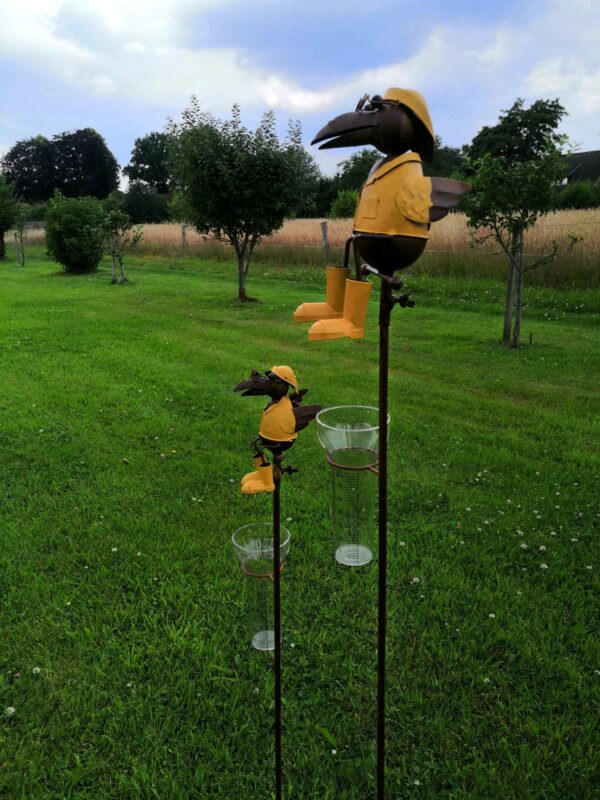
326,192
23,211
235,184
447,161
579,194
354,170
144,204
74,233
149,162
29,168
120,236
344,204
308,174
84,165
514,167
9,211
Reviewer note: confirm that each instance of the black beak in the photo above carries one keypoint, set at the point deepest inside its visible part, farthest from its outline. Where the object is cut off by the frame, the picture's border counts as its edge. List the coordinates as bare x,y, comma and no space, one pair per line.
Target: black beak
254,386
347,130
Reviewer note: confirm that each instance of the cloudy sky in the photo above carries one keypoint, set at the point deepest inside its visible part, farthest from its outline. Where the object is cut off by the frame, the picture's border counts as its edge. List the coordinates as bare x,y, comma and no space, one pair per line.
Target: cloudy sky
124,66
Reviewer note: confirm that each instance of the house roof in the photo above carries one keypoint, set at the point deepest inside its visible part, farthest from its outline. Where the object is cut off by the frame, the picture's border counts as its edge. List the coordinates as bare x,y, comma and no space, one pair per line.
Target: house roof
583,166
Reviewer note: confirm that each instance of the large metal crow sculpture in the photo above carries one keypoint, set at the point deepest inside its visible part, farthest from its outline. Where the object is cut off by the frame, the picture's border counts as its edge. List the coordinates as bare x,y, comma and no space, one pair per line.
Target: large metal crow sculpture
396,205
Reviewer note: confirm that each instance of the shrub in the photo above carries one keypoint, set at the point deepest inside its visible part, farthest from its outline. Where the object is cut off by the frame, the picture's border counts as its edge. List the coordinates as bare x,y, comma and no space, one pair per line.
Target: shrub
579,194
344,204
74,235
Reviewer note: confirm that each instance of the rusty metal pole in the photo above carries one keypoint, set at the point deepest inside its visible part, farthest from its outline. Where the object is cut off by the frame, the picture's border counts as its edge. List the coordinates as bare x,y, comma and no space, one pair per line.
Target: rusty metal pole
386,303
277,460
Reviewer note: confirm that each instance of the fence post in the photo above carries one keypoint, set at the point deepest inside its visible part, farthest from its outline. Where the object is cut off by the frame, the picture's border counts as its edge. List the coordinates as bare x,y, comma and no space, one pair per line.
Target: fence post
184,241
19,248
325,241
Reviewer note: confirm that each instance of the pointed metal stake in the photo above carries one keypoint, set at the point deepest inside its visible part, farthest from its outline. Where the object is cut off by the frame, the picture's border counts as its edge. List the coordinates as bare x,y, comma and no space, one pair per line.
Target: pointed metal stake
386,304
277,460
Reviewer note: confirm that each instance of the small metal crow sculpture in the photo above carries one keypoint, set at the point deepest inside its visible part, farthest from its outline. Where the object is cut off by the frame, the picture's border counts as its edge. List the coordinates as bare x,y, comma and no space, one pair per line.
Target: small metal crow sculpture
280,422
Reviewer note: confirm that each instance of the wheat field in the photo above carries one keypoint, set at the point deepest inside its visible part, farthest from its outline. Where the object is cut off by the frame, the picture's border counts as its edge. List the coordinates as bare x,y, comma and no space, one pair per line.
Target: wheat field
299,242
450,234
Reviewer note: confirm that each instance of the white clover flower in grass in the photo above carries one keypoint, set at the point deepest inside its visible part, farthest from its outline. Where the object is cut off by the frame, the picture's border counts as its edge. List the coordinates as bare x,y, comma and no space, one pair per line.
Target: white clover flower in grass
544,566
543,548
334,752
523,546
113,549
416,580
10,711
36,670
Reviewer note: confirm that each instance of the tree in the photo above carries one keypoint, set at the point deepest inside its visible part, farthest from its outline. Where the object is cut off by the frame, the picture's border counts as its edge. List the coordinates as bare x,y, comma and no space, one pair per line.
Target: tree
84,165
344,204
29,168
144,204
149,162
74,233
353,171
235,184
120,235
307,172
579,194
514,167
23,211
447,161
9,211
78,164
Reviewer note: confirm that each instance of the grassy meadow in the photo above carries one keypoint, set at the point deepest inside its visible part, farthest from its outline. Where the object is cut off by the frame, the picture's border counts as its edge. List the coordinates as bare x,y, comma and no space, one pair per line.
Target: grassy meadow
125,671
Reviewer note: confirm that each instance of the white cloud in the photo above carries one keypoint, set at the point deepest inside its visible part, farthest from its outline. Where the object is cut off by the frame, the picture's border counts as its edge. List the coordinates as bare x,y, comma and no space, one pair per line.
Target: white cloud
102,85
140,51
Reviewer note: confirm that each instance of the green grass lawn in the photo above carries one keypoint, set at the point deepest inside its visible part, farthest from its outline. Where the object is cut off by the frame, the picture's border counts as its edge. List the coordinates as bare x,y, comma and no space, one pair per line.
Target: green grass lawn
124,654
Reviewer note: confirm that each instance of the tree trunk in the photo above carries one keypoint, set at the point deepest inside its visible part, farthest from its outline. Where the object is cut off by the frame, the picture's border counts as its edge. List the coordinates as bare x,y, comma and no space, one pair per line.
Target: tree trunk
2,245
114,269
249,250
508,303
516,333
242,296
123,278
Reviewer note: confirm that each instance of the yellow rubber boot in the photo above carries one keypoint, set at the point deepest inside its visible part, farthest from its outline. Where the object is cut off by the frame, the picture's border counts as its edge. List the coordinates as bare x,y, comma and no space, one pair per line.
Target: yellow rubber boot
258,462
352,324
259,481
333,306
